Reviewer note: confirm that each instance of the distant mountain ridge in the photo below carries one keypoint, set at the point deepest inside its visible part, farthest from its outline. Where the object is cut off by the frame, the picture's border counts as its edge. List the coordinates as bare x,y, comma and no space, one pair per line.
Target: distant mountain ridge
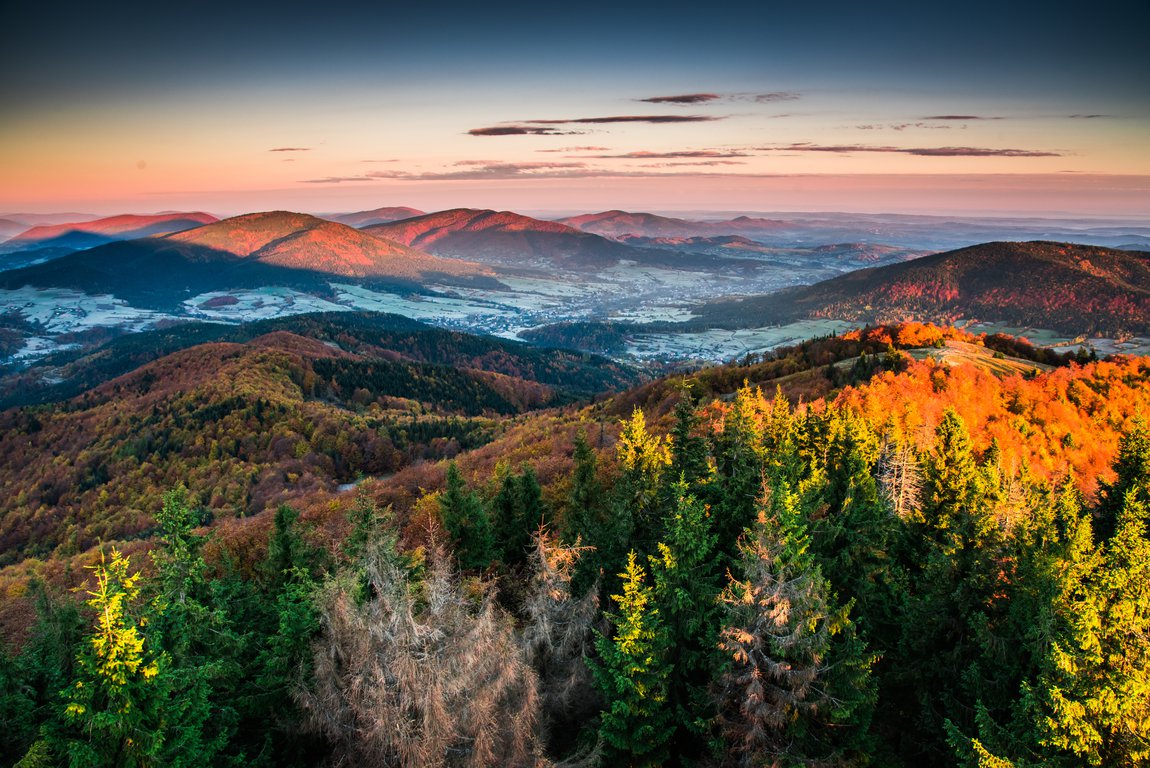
383,215
617,224
505,238
253,251
1072,289
88,234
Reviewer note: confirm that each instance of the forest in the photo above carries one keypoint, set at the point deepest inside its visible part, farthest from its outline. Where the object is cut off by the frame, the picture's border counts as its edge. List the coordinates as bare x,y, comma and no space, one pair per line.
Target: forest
880,559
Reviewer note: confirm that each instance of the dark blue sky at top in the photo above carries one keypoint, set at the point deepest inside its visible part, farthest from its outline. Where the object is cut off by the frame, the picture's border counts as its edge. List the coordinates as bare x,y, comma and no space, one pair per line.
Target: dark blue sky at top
99,52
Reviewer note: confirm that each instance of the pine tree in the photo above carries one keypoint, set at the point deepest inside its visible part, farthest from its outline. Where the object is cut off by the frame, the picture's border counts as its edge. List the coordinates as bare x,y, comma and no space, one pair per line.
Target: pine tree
643,458
586,505
1093,696
958,597
798,688
741,453
632,673
853,535
1132,473
116,704
688,450
467,522
517,510
686,589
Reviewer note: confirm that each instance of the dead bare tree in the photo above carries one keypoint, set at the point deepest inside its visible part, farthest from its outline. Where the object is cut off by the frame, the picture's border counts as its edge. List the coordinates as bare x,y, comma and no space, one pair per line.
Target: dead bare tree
557,637
900,477
420,675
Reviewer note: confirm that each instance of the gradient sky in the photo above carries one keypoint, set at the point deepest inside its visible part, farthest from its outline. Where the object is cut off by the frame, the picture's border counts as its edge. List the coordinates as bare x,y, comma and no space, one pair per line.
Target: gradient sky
971,107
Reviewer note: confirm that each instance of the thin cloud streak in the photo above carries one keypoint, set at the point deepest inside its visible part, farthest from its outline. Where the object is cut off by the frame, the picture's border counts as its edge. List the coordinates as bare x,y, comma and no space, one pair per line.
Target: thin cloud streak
507,171
962,117
290,149
653,119
519,130
641,155
686,98
918,151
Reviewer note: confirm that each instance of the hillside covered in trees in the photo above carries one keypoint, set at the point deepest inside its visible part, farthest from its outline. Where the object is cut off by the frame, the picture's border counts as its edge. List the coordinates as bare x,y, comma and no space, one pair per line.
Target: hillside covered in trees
905,546
1060,286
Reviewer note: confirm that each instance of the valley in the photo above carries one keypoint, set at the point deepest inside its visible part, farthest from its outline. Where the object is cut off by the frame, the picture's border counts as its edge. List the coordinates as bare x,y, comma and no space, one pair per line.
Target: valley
660,282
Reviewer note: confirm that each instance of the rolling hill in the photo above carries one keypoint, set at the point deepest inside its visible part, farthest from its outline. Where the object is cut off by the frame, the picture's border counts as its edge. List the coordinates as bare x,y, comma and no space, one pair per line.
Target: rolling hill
1073,289
616,224
383,215
9,229
88,234
264,413
506,239
254,250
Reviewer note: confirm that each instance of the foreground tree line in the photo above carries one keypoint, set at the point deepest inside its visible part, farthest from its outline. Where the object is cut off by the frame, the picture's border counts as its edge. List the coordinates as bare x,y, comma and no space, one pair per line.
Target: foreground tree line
761,586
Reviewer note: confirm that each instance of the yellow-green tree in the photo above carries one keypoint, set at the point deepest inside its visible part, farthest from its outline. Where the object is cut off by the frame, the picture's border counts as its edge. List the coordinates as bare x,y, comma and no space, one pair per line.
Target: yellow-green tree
117,700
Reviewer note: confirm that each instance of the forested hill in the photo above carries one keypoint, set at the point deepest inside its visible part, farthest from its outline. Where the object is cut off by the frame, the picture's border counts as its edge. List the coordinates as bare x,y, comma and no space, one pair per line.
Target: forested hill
260,414
1073,289
903,546
66,374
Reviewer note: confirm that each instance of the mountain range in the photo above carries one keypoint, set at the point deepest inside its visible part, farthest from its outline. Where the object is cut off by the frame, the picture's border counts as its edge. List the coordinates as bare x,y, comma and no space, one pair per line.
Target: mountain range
617,223
1073,289
88,234
375,216
506,239
249,251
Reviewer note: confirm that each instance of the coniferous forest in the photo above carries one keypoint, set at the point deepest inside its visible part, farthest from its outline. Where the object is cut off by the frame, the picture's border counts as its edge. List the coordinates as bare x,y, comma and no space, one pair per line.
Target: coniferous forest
845,553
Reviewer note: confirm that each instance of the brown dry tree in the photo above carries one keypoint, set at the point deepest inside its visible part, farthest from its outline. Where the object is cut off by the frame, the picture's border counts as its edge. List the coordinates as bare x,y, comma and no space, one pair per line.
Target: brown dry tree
558,636
789,696
419,675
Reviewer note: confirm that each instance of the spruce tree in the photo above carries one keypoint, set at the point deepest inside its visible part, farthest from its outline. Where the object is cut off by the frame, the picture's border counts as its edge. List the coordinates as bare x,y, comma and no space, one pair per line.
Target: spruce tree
798,688
632,673
466,520
116,705
686,588
1093,696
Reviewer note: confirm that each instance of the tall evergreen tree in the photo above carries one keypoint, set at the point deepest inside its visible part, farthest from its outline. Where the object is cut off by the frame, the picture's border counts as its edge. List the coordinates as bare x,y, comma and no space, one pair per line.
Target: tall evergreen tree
643,459
632,673
116,705
688,449
686,589
954,558
798,688
741,453
1132,473
467,522
1093,696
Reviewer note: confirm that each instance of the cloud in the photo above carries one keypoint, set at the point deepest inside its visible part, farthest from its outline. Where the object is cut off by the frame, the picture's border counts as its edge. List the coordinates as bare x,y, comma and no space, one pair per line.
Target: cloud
774,96
543,127
919,151
961,117
1087,117
655,119
393,160
290,149
494,171
692,153
695,162
903,126
686,98
576,149
519,130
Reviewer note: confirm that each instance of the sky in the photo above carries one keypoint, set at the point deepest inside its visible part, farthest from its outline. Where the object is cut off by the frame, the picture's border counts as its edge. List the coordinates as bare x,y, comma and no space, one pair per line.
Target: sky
978,107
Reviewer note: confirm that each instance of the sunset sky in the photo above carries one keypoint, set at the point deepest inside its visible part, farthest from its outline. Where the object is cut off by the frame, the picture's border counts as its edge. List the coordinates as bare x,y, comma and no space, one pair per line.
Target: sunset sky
972,107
